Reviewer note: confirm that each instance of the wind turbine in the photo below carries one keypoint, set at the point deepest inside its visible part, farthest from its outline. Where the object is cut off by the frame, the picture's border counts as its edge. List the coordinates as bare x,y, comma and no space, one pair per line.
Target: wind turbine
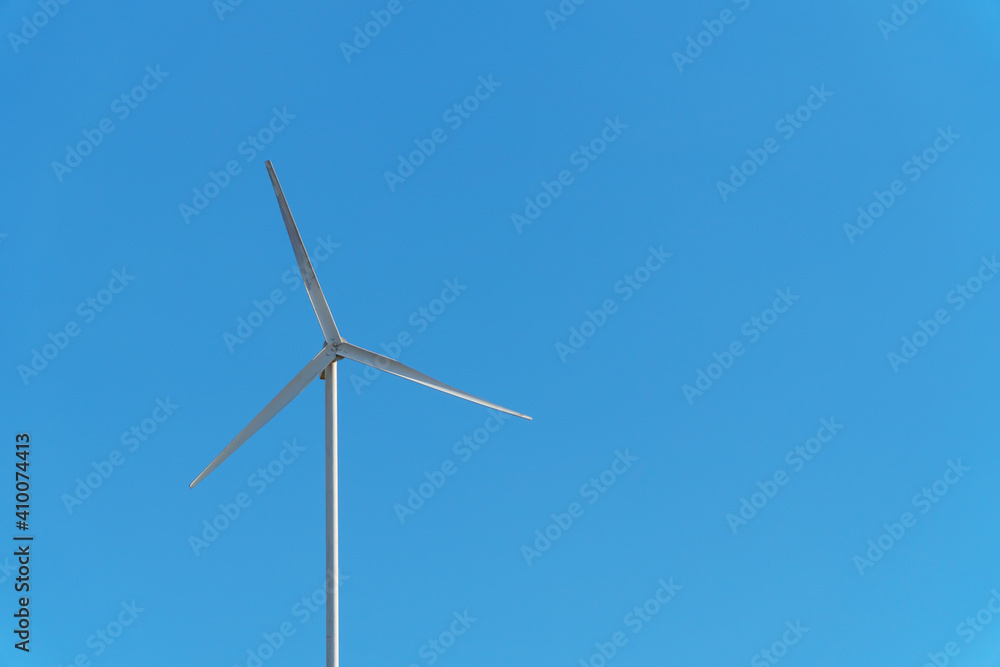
334,349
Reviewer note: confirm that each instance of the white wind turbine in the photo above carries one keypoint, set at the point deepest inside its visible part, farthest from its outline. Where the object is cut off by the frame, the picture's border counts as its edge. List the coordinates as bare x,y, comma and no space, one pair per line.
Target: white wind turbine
334,349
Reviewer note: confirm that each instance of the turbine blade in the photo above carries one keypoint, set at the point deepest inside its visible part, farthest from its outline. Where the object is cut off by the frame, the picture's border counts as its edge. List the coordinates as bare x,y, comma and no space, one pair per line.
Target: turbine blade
383,363
284,397
319,304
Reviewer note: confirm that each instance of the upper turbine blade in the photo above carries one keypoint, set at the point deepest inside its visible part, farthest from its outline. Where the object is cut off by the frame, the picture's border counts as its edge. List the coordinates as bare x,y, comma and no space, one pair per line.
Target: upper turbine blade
284,397
383,363
315,292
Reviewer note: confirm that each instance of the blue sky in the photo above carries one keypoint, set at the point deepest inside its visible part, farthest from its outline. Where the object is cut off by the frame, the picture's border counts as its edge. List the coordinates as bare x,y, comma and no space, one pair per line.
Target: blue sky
735,258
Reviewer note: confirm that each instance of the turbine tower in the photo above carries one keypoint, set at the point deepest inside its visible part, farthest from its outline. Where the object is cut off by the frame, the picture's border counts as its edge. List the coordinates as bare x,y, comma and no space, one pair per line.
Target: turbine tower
334,349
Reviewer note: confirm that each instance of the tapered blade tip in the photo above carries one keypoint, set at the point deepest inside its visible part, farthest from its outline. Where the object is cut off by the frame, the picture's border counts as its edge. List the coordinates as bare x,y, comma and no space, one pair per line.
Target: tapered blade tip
513,413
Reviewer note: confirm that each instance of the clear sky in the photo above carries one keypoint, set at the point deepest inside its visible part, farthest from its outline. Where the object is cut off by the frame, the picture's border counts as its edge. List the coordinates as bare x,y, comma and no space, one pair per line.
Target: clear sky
735,258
